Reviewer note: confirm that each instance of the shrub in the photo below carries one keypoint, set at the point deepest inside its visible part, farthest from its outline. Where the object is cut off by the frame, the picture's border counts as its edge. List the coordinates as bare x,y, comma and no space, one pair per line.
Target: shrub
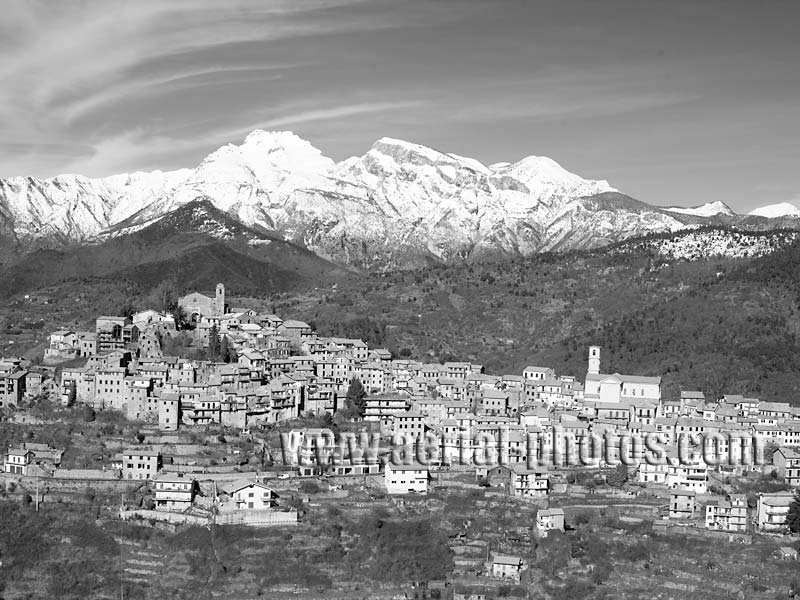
309,487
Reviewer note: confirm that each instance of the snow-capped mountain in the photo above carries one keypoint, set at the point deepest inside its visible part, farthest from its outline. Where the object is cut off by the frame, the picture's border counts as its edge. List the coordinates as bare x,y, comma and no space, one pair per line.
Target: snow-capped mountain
774,211
399,204
709,209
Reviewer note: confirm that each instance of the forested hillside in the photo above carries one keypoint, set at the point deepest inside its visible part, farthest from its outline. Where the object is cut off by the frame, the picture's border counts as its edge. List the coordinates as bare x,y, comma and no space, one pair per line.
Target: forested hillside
723,325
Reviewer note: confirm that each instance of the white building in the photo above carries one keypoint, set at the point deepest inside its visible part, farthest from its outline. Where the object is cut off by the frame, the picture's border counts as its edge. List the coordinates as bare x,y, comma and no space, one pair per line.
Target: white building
549,519
727,515
772,510
174,492
17,461
529,483
252,495
406,479
506,566
688,474
616,387
652,473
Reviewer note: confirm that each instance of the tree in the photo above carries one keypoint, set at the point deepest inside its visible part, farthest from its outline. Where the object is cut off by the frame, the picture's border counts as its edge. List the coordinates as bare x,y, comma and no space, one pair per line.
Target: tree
223,348
793,516
214,343
355,399
226,352
164,296
179,314
87,414
308,487
127,309
72,394
619,476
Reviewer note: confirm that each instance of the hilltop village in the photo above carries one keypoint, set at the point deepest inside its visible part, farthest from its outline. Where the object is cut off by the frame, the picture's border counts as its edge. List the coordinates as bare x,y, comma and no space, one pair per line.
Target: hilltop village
253,434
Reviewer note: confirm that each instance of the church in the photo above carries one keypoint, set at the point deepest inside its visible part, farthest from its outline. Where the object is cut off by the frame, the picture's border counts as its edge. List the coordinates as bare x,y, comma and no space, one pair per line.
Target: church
199,306
614,388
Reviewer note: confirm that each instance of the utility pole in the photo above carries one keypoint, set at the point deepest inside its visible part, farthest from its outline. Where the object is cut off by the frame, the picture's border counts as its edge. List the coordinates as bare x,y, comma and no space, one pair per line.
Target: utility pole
37,494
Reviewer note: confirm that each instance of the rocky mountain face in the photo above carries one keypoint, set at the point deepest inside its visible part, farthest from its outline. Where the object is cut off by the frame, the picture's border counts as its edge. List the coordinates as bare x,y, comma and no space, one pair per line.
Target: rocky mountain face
398,205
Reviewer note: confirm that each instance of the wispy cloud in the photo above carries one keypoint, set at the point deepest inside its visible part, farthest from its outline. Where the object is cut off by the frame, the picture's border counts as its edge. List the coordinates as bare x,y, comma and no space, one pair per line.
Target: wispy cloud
559,91
151,148
81,74
337,112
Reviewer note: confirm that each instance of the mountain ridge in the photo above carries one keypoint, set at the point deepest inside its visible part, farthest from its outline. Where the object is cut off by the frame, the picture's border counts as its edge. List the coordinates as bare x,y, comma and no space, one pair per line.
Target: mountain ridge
400,204
196,244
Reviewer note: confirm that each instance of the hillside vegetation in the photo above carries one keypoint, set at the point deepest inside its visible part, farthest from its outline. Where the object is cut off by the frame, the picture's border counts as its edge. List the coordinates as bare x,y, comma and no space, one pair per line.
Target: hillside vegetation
723,325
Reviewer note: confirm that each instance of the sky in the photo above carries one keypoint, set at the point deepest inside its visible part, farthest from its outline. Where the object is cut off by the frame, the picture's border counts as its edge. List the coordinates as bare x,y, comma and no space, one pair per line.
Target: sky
674,102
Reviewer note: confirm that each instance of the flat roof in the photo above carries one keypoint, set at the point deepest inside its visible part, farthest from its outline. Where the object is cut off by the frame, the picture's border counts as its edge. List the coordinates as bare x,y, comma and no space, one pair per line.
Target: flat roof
507,559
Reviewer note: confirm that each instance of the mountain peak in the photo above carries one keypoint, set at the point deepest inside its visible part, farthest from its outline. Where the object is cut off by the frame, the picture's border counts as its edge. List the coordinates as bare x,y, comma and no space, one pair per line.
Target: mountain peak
541,171
408,152
709,209
773,211
275,139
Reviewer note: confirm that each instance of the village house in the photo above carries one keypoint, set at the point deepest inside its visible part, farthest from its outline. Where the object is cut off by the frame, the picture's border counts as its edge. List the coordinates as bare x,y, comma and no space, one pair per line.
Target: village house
538,373
169,415
727,515
17,461
528,483
506,566
406,479
109,388
295,330
382,408
670,408
379,355
62,344
34,382
410,425
149,316
375,376
112,333
681,504
652,472
787,462
12,382
174,492
549,519
141,463
87,343
771,511
492,402
251,495
688,474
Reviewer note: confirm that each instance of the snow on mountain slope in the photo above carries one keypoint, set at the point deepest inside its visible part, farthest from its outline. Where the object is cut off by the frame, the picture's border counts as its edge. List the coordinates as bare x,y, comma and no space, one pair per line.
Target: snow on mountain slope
400,204
706,242
73,207
774,211
706,210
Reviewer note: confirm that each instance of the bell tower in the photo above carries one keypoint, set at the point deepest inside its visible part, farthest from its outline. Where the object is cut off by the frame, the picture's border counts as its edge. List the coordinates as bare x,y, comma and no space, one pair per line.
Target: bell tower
219,303
594,360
